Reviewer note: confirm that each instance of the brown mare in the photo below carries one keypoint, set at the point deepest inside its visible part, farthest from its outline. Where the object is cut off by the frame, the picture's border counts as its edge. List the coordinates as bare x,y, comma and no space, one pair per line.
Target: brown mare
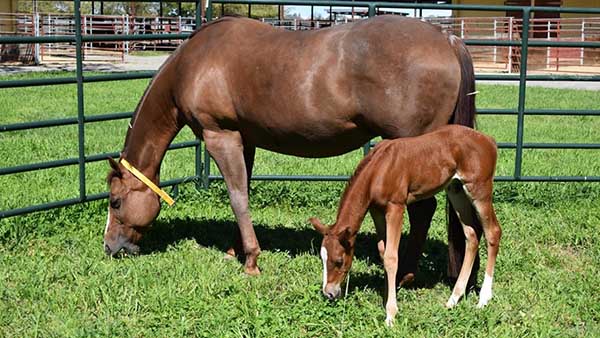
241,84
400,172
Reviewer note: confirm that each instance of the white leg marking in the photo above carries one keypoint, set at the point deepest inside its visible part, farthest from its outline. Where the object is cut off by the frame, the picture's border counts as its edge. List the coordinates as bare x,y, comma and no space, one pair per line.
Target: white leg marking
324,259
452,301
107,221
486,291
389,321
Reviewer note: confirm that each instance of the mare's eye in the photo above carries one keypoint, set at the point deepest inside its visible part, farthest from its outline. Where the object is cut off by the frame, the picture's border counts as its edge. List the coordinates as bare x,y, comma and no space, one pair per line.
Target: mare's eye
115,203
338,262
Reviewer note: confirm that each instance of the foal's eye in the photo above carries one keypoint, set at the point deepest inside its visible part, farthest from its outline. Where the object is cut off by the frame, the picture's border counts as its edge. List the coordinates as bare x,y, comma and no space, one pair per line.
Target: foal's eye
338,262
115,203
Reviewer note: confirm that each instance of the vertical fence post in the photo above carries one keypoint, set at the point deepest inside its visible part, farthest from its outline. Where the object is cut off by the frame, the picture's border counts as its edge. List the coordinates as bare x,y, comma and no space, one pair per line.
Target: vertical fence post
582,40
126,31
548,37
522,91
510,48
80,106
495,38
36,33
209,13
367,146
202,169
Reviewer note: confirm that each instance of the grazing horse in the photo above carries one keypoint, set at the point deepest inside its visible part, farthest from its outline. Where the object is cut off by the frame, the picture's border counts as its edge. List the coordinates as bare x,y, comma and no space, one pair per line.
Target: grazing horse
241,84
403,171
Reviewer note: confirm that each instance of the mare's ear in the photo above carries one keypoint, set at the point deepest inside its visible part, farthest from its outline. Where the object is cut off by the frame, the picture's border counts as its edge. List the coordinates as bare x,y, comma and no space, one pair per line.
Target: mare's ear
114,165
320,227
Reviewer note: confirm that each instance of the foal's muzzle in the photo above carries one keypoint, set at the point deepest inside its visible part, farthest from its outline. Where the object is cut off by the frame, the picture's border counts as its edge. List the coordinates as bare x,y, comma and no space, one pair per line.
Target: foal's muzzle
332,291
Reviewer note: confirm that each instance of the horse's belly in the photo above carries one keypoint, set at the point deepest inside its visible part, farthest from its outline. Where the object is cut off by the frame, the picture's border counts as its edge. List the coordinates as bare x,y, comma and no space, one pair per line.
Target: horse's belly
309,143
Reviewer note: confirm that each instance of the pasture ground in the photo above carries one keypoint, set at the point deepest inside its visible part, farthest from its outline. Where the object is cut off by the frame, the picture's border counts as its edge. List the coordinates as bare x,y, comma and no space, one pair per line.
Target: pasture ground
56,281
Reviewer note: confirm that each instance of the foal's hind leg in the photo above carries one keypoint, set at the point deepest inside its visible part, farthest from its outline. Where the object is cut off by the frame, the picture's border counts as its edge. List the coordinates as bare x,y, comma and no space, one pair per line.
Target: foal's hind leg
491,228
227,149
462,205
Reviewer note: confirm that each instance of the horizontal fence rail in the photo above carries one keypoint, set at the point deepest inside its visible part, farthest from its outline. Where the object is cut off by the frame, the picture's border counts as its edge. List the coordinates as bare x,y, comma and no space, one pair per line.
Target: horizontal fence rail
202,159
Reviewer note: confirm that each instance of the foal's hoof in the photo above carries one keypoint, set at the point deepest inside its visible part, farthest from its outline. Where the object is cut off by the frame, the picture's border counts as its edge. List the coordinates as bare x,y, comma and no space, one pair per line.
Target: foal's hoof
389,321
407,280
452,301
252,270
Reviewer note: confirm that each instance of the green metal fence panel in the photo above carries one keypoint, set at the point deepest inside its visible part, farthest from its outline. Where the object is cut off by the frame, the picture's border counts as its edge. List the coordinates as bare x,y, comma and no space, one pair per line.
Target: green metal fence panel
202,175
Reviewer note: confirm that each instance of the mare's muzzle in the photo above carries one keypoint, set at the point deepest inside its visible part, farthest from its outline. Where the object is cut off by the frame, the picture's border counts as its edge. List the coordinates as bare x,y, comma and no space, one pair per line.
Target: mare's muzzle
112,248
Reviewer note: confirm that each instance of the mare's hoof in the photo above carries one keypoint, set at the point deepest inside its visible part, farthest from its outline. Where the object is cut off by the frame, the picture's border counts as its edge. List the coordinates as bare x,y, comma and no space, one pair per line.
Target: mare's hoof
252,271
407,280
230,254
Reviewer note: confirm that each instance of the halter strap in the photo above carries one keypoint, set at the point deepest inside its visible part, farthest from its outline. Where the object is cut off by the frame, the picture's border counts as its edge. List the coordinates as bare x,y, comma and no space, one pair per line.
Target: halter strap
147,181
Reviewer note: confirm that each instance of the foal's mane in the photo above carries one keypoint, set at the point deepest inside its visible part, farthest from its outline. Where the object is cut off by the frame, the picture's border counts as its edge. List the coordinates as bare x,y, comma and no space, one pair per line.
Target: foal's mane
361,167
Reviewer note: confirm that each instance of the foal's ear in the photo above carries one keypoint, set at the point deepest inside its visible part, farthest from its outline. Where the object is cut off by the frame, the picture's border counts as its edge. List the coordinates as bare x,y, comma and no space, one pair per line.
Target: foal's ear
114,165
345,237
320,227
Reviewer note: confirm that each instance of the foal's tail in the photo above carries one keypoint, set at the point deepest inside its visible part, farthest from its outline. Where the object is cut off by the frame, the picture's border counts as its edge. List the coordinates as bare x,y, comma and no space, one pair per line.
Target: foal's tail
464,114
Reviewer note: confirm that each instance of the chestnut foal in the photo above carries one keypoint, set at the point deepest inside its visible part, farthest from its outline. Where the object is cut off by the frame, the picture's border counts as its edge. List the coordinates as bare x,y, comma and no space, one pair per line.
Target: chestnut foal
402,171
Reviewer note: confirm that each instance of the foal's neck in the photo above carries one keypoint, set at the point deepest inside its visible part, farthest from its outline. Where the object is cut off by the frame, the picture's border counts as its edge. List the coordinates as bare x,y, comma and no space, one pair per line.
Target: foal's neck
152,129
355,202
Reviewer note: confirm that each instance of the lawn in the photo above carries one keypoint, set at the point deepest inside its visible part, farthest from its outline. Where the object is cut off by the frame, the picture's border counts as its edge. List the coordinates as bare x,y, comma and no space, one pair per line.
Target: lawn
56,281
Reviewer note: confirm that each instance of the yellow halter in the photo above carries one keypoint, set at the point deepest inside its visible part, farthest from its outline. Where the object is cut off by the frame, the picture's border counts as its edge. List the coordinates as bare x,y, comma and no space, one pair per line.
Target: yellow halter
149,183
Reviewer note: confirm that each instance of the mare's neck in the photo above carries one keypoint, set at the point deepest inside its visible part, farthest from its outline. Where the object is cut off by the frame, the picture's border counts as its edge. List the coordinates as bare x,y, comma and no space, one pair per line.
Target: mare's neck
355,203
153,127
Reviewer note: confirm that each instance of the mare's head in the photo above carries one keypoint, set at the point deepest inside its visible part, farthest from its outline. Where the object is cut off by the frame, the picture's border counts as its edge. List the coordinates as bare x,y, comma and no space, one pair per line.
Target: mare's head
337,251
132,208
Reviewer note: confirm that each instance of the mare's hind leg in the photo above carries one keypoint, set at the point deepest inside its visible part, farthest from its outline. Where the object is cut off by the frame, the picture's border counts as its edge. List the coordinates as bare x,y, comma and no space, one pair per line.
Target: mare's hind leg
482,200
227,149
463,207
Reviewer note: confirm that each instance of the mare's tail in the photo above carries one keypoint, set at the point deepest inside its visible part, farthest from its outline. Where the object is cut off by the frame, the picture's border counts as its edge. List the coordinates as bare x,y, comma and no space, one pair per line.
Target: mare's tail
464,114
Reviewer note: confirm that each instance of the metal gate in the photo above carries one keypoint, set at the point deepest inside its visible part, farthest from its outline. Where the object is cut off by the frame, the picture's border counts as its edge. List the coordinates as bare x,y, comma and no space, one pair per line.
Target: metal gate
202,175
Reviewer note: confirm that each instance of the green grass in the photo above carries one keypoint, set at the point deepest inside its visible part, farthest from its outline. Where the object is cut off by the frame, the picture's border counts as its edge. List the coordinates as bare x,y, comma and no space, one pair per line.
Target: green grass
56,281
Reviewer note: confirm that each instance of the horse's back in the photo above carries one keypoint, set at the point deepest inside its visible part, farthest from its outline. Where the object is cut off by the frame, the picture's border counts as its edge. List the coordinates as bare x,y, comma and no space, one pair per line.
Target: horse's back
334,87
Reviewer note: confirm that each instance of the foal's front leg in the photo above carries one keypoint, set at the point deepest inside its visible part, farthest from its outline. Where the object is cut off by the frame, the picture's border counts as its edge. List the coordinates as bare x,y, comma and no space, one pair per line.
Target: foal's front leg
394,218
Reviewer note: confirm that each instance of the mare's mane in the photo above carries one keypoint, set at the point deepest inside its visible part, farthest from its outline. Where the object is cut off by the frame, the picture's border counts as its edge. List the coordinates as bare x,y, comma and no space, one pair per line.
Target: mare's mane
201,28
114,173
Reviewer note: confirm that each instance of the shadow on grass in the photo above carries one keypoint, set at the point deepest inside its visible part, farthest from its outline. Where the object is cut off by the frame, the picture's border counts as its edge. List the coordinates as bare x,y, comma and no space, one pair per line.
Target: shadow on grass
220,235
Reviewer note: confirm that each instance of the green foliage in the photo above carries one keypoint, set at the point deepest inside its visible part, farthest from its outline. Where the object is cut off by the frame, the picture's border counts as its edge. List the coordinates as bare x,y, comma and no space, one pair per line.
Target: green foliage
56,281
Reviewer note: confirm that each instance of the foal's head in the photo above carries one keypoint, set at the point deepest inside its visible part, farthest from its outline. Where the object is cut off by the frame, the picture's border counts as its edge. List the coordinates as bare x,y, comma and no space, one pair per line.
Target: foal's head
133,207
337,251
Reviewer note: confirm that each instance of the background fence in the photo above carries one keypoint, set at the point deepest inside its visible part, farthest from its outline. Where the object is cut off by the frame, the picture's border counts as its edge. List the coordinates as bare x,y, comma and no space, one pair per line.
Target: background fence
486,58
520,44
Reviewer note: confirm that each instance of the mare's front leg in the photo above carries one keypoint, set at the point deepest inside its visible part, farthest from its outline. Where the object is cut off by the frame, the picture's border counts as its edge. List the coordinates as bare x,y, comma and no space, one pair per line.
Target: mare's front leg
238,248
394,218
468,219
420,214
227,149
